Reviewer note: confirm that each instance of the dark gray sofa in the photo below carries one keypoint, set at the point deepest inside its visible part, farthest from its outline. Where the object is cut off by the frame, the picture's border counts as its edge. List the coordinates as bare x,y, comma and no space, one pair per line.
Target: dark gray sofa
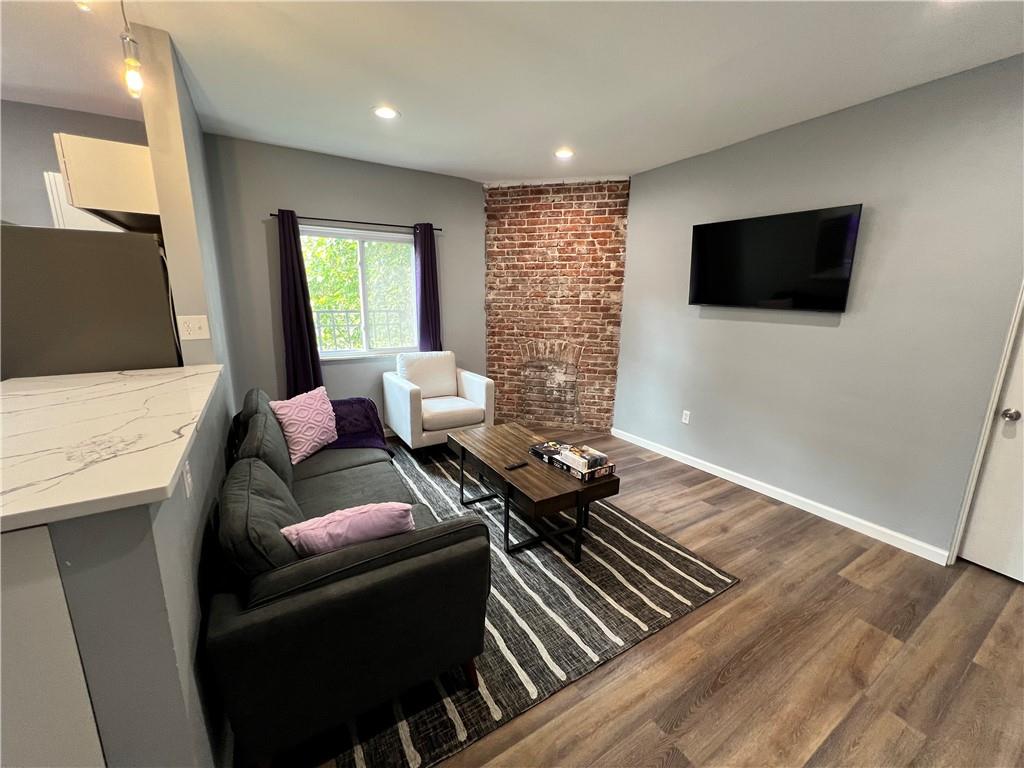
298,646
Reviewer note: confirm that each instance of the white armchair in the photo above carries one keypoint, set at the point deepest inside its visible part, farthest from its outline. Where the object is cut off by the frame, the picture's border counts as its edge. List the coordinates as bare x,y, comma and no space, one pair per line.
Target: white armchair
428,397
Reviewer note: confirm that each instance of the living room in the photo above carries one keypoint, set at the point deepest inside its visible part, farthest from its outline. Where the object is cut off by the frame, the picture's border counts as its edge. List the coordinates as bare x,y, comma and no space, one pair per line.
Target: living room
642,380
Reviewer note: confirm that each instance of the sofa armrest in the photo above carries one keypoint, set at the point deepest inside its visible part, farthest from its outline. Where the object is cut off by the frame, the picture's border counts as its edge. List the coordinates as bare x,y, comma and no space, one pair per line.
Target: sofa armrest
303,664
320,570
403,408
477,389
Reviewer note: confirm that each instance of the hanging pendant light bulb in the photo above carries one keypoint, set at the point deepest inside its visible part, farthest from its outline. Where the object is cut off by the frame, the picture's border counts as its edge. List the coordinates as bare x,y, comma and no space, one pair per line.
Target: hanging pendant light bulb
132,65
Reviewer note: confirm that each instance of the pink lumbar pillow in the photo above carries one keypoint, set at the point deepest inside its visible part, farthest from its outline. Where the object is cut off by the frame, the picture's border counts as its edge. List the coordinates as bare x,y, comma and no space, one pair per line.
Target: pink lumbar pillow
307,421
349,526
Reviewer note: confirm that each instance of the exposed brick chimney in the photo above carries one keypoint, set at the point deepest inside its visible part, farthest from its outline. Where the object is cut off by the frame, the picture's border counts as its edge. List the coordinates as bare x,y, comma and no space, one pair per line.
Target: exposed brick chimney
555,263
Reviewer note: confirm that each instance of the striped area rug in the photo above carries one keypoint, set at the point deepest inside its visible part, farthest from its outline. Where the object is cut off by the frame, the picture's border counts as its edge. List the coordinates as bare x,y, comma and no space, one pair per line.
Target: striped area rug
549,622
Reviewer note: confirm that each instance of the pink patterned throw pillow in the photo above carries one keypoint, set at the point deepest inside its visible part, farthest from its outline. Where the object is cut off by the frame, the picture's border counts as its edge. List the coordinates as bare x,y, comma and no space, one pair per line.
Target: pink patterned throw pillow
307,421
349,526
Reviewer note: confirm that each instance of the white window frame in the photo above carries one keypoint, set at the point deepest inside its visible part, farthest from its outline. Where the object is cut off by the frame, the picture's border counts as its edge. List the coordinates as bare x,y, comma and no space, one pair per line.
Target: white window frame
360,236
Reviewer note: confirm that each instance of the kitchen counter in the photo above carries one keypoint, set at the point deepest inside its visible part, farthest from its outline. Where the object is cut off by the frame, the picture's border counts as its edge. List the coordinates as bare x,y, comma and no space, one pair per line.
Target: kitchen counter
80,444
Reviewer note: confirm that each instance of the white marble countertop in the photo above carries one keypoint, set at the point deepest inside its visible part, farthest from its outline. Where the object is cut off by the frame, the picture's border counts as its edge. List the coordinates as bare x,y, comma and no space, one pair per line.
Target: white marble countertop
85,443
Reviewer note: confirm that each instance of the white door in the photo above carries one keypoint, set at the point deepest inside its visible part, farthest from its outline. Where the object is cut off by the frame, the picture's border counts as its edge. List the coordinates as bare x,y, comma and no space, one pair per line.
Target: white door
995,530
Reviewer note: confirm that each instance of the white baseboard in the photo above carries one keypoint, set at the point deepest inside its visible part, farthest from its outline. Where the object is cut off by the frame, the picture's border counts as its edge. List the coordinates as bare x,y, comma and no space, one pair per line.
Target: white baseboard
875,531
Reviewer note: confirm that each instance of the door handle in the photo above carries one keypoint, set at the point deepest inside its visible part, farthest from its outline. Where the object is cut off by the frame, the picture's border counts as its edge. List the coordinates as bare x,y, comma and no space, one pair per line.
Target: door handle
1010,414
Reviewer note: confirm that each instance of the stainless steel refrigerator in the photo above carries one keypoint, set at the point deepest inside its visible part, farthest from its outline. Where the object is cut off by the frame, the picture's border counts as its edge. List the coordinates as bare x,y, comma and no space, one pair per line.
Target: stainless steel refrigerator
78,301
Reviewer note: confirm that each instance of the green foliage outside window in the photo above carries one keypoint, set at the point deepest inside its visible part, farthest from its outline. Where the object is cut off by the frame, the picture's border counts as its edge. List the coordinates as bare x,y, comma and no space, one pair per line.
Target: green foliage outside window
332,272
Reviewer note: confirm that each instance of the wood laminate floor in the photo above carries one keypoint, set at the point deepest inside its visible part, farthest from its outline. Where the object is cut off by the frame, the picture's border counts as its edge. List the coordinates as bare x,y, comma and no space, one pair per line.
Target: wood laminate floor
834,650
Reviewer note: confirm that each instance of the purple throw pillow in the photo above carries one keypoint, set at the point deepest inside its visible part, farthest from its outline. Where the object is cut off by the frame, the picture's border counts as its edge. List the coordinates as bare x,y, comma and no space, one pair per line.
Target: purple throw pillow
307,421
349,526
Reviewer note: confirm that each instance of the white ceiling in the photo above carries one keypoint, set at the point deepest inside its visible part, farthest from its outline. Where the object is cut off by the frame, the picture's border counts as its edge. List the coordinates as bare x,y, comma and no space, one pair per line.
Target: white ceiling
489,90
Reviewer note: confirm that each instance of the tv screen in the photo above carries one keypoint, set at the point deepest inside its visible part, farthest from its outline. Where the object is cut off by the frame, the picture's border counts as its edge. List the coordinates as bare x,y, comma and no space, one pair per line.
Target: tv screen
797,260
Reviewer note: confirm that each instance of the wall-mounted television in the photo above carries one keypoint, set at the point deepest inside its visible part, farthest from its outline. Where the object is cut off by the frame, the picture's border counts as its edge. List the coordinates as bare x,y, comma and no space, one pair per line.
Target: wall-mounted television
799,260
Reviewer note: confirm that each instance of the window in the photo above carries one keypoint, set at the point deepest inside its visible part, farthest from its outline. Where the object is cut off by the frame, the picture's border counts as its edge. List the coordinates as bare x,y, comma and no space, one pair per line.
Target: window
362,290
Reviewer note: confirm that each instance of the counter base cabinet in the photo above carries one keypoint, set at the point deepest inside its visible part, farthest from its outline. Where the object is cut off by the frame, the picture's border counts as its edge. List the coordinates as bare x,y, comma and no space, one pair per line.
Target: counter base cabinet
101,546
47,718
111,576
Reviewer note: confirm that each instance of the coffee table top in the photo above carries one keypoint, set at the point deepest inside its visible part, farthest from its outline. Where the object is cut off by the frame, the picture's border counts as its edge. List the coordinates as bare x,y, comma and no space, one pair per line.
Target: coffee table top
544,485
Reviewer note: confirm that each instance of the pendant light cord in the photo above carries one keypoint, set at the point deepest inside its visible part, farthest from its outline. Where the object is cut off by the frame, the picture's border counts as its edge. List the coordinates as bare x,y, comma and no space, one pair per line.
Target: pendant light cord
124,15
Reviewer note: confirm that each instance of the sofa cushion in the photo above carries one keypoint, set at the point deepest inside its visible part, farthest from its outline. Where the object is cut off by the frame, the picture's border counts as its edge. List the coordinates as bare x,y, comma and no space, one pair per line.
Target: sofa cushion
380,481
265,441
432,372
450,412
255,401
337,459
254,506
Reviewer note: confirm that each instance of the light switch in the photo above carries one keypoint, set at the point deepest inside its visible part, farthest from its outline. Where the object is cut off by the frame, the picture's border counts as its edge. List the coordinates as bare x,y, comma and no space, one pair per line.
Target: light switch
192,327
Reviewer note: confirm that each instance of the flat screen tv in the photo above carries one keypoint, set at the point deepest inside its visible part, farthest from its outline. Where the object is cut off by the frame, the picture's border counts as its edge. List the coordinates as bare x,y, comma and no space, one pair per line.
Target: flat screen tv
799,260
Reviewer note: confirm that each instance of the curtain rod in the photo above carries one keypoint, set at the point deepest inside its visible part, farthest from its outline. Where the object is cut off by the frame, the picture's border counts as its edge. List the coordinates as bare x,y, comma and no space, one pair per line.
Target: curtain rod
353,221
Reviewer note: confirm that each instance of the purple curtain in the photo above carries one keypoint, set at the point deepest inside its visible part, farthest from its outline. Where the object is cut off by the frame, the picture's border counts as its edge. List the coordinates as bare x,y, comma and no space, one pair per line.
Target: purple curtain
426,288
301,358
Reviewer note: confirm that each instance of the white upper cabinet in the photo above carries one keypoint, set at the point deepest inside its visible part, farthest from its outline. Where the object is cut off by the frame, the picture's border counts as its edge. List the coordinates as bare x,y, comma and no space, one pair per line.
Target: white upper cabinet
106,175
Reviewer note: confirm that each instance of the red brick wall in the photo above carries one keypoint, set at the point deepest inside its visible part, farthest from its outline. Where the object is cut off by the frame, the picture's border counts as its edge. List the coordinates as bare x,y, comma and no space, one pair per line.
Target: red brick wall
555,263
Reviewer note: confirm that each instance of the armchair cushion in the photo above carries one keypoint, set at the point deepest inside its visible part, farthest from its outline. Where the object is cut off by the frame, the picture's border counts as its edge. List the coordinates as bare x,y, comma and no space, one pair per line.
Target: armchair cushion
317,496
255,505
432,372
450,412
265,441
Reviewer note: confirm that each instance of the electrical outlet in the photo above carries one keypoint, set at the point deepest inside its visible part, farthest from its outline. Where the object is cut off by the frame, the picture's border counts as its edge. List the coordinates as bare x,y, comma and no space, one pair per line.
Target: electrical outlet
191,327
686,417
187,474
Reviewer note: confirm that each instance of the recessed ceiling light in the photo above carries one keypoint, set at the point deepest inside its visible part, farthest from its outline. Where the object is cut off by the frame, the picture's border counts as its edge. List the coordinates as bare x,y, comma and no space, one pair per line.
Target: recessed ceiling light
564,153
83,6
385,113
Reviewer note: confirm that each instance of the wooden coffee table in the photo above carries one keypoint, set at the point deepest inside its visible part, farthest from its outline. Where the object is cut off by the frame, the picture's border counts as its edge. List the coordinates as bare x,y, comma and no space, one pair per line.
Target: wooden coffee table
535,491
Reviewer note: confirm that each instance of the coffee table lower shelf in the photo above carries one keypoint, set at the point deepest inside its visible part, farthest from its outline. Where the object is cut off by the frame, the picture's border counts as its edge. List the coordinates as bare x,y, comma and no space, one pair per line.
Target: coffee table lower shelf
574,552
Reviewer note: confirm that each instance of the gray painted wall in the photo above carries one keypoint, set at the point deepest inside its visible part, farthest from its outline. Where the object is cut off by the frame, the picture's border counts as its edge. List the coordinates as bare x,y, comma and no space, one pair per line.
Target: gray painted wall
179,172
876,412
27,150
249,180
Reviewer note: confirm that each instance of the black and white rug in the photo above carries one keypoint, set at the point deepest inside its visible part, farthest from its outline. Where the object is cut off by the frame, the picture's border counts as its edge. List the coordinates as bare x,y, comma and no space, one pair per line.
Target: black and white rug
549,622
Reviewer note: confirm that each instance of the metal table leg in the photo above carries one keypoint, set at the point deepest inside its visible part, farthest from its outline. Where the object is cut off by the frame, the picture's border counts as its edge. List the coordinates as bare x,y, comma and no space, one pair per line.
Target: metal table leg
575,532
582,511
506,520
462,483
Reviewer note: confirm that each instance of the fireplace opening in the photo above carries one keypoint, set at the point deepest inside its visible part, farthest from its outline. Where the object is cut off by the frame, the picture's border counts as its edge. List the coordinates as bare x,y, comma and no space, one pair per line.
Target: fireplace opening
549,383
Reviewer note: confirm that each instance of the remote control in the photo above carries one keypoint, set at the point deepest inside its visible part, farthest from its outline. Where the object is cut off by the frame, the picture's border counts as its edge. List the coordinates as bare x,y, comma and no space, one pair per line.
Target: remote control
517,465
